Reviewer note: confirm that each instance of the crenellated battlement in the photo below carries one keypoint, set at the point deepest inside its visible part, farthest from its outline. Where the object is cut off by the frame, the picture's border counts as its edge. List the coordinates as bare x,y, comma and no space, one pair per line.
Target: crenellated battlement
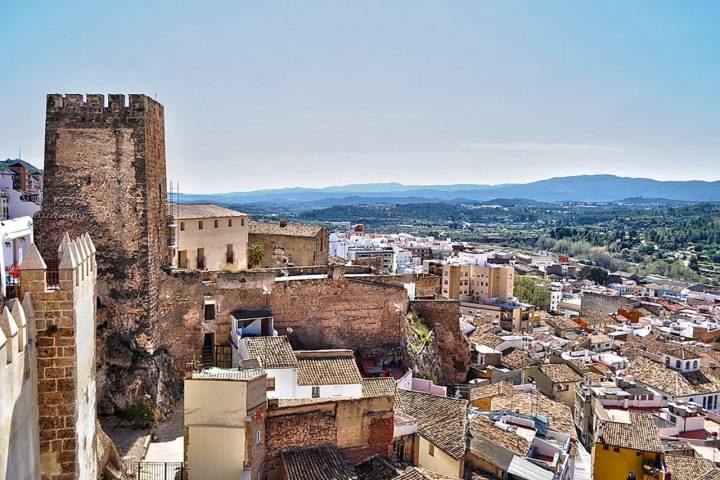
60,300
77,103
76,267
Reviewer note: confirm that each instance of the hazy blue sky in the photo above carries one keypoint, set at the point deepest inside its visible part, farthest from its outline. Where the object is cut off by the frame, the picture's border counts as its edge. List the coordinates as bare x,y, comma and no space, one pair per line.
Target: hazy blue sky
271,94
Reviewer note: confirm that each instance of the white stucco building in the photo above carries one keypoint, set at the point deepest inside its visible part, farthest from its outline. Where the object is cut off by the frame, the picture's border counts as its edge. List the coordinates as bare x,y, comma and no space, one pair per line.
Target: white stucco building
302,373
16,236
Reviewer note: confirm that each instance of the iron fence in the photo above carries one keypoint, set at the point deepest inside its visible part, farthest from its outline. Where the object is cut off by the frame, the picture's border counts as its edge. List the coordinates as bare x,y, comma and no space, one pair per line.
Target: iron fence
154,470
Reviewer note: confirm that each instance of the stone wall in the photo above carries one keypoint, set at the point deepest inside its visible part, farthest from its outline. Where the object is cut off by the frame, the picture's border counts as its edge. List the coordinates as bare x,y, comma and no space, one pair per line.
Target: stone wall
281,250
442,316
255,454
359,428
339,313
426,285
19,440
105,174
325,313
65,323
597,302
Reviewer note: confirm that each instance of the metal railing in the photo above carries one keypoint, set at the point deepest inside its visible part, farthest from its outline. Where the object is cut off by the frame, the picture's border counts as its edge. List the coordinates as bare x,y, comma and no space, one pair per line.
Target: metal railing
154,470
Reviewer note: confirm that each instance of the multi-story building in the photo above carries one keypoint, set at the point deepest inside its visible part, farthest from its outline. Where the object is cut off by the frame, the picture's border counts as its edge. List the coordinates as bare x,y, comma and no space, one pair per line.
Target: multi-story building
302,373
556,381
16,236
20,189
511,316
628,446
478,283
677,373
225,408
211,238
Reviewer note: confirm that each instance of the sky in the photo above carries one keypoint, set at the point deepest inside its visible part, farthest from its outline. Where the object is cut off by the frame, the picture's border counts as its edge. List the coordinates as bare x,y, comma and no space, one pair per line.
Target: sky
266,94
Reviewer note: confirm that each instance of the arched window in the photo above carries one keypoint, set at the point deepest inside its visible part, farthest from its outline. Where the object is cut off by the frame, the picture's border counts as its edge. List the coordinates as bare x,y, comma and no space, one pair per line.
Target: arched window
695,364
677,363
667,361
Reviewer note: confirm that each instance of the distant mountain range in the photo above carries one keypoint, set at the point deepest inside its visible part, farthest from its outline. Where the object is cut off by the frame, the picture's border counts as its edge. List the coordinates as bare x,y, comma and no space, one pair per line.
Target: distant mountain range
582,188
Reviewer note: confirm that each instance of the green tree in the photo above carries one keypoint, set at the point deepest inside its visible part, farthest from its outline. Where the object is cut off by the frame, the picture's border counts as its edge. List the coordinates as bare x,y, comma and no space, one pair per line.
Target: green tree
598,275
255,255
531,290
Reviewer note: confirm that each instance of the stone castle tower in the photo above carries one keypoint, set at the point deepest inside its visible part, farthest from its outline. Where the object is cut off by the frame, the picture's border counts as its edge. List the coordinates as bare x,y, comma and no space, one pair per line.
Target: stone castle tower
105,175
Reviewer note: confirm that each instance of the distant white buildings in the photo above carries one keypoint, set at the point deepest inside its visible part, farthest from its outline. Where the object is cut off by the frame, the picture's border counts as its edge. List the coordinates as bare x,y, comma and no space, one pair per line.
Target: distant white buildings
20,190
16,236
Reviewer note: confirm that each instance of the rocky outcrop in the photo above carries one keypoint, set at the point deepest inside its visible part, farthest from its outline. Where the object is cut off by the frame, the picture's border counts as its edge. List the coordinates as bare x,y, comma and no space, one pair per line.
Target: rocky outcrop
450,347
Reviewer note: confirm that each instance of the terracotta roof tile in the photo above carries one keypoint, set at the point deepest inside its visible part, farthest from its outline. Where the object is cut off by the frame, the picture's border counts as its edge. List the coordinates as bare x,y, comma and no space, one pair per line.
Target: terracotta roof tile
327,367
483,427
374,387
271,352
689,468
316,463
559,415
656,375
291,229
206,211
486,338
491,390
518,359
441,420
418,473
640,434
376,468
560,373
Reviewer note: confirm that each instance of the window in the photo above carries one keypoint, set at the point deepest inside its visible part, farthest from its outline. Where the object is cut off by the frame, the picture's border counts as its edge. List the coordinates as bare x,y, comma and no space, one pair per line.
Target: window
605,447
616,449
217,223
182,226
229,222
200,258
242,222
431,449
270,384
230,253
182,259
209,311
257,438
695,364
677,363
315,392
200,225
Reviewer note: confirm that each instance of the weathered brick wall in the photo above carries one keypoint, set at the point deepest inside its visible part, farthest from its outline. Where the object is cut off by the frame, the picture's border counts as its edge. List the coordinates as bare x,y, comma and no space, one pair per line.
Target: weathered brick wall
327,313
255,454
359,428
298,430
105,174
454,355
300,251
597,302
339,313
426,285
180,311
